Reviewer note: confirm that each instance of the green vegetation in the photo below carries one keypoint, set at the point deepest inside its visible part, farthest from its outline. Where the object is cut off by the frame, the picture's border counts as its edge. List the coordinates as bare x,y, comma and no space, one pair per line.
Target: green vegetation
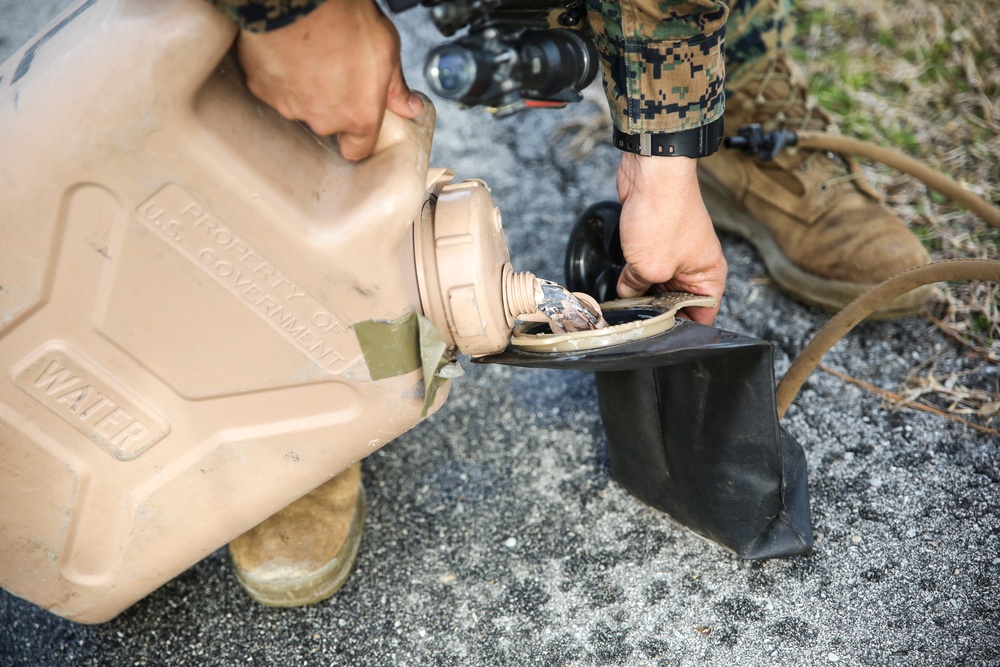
923,78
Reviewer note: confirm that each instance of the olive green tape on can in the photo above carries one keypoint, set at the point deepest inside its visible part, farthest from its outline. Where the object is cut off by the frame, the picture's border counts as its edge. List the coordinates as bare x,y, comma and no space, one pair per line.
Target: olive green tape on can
391,347
400,346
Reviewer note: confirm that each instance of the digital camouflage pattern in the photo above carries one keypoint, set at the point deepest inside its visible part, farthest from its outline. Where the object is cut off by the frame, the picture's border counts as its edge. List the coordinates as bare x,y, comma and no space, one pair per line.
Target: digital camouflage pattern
264,15
756,29
662,61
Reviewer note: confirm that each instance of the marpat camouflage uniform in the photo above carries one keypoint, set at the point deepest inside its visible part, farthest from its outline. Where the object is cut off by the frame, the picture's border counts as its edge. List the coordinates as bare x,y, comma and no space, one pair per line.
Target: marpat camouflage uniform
756,29
662,59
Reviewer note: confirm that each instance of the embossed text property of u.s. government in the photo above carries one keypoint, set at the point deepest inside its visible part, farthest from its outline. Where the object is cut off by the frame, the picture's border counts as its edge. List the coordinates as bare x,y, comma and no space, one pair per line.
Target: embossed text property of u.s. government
250,276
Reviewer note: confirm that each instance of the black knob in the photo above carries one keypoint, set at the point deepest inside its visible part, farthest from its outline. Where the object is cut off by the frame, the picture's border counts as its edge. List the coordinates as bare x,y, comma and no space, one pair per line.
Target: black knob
594,257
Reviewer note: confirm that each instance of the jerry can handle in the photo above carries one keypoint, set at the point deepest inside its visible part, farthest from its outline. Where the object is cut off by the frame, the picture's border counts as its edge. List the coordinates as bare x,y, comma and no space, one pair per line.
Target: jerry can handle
396,129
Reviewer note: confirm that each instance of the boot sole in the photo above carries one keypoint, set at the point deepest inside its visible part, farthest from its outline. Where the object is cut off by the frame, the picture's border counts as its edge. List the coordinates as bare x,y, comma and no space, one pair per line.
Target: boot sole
317,586
731,216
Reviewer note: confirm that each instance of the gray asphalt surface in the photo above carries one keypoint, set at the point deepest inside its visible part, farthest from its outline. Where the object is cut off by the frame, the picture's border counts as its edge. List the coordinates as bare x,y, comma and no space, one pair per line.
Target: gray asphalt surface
495,536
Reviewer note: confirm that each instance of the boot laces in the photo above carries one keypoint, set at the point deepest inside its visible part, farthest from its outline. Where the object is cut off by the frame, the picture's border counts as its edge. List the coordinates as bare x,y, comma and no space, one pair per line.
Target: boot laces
798,110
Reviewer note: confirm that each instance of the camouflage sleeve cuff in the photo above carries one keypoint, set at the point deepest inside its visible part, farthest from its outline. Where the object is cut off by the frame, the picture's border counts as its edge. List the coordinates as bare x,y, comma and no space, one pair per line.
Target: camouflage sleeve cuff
662,60
265,15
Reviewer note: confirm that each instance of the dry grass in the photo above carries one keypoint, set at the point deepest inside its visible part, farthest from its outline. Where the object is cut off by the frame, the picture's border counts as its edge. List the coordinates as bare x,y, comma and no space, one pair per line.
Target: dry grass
924,77
914,400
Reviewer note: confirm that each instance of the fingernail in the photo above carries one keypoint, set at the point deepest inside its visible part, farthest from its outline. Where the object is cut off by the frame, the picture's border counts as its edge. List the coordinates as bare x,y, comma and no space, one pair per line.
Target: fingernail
416,104
627,292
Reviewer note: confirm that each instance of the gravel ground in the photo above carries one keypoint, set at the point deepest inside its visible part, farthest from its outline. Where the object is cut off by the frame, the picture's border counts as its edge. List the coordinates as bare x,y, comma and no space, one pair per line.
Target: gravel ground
495,536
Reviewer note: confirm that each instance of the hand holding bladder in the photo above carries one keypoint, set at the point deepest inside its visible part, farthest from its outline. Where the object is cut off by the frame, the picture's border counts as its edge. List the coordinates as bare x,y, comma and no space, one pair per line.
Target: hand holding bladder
337,69
666,234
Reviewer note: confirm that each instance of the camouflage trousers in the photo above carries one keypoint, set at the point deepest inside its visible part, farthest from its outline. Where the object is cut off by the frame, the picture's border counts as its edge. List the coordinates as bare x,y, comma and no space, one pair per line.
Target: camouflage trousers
756,29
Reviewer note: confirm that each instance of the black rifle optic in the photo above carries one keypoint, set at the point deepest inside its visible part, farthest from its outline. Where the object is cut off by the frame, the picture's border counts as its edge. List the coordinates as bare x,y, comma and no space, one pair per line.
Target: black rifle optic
516,54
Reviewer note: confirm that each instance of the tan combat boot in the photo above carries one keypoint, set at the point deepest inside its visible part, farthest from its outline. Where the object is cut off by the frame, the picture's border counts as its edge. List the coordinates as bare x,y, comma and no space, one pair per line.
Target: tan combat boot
304,553
816,222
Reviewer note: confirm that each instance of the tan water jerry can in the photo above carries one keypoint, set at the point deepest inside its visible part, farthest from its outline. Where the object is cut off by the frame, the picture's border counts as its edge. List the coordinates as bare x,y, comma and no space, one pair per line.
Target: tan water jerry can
205,312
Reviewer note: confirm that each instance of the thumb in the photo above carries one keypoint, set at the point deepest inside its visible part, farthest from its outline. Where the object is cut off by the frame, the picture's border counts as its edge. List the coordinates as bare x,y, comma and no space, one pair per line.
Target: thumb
399,99
630,284
358,145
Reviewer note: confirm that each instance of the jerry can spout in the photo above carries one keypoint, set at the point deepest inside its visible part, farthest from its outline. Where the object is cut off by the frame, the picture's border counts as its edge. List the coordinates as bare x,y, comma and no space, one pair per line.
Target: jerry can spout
468,286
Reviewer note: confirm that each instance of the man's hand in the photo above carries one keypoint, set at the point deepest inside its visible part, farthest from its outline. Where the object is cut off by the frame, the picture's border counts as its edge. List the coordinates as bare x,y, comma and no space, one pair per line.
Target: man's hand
337,69
667,236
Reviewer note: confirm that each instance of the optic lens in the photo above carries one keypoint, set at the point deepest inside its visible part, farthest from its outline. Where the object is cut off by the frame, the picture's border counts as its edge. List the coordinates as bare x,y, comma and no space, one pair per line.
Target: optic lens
451,71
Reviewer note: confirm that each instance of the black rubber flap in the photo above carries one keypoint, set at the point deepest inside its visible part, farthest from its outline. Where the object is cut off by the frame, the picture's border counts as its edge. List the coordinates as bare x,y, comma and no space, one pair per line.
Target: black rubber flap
693,431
